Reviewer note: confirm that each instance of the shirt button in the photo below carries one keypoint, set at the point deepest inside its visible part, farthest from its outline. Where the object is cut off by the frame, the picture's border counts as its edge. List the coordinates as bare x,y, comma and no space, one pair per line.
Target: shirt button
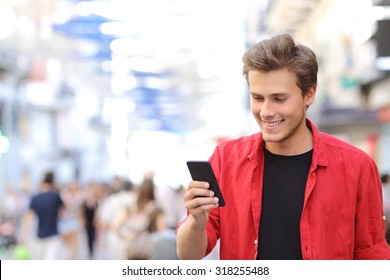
255,242
384,218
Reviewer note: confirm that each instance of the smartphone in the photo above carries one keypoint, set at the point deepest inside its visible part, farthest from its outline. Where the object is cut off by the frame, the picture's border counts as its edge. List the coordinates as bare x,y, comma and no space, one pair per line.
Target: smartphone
202,171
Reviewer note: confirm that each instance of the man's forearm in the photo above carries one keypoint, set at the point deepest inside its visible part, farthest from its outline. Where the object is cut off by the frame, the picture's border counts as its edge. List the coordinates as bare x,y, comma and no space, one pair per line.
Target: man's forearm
191,240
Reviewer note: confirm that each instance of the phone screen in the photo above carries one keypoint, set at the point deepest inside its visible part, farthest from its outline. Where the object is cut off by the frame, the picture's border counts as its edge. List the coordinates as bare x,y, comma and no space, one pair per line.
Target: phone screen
202,171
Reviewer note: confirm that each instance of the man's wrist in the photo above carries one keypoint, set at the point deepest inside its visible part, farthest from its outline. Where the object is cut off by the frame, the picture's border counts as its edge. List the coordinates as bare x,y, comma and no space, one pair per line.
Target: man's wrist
195,224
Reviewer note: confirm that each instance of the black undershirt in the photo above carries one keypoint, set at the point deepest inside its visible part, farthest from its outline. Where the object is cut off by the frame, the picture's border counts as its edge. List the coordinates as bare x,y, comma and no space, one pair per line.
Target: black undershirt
283,193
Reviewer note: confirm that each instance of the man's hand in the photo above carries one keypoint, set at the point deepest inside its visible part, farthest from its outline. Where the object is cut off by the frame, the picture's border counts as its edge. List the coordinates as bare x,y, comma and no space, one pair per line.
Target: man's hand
199,201
191,236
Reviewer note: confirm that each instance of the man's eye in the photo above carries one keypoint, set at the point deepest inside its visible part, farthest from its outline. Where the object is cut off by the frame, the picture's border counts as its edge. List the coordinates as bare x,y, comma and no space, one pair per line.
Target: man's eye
280,99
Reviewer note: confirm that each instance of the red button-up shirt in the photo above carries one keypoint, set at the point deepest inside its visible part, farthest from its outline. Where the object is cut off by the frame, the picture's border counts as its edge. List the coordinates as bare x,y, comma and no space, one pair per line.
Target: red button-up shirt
342,216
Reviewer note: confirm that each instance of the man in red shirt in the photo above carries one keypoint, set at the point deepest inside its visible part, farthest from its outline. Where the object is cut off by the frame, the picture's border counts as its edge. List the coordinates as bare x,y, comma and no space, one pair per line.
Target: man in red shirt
291,192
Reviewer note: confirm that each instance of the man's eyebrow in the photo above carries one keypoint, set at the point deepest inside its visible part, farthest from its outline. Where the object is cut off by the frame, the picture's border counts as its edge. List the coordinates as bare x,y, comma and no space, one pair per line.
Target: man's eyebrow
272,94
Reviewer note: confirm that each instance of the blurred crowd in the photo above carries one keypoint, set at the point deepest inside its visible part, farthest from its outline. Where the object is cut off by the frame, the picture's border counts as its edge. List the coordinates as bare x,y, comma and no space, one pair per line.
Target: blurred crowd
118,220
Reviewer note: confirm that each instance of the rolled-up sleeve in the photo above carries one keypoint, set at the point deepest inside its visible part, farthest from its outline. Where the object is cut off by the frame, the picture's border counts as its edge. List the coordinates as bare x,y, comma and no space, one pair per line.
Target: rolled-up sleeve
370,221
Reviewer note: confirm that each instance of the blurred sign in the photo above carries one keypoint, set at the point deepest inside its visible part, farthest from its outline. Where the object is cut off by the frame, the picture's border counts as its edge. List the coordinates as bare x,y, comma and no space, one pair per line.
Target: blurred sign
87,27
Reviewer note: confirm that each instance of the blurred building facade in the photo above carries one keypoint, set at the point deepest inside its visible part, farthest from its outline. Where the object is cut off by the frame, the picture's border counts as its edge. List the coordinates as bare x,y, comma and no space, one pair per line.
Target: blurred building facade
101,88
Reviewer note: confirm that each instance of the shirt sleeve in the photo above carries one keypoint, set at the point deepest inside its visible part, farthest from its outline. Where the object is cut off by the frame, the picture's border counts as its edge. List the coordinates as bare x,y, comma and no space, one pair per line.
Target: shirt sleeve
370,240
213,225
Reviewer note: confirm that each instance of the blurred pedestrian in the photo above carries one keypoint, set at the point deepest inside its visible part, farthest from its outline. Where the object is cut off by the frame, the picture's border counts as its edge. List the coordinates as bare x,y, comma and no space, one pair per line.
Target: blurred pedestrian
88,212
45,207
70,219
136,222
385,178
108,211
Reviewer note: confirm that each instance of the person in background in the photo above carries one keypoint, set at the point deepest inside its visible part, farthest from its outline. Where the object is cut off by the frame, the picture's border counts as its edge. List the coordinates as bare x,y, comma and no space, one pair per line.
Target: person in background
13,204
45,207
136,222
385,179
108,212
162,237
88,212
70,219
291,192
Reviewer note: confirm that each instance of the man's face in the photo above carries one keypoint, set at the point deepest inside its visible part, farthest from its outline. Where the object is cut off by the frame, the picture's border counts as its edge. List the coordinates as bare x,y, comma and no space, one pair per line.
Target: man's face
279,107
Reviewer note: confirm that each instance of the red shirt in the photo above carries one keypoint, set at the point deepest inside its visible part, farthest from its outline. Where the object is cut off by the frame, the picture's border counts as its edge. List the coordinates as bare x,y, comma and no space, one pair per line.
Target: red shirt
342,216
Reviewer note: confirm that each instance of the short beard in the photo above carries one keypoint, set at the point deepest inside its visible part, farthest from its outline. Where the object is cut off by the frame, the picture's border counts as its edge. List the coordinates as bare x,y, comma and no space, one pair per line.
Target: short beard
291,132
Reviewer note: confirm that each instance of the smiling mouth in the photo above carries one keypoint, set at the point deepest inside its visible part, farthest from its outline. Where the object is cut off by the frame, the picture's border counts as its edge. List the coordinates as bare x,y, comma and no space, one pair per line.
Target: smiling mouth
272,124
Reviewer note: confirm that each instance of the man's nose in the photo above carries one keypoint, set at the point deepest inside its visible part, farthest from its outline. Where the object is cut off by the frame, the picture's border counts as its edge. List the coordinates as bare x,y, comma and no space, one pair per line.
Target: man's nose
266,110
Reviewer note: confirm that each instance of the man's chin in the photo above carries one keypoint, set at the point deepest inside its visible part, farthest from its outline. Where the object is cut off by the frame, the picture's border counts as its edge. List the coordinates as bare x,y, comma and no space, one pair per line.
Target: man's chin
270,138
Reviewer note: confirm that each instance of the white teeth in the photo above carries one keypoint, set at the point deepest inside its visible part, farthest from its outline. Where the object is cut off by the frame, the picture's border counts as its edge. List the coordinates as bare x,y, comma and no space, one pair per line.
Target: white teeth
272,124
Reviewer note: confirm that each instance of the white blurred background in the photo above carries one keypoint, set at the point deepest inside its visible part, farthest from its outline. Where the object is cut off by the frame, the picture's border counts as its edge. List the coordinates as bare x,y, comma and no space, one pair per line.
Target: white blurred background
103,88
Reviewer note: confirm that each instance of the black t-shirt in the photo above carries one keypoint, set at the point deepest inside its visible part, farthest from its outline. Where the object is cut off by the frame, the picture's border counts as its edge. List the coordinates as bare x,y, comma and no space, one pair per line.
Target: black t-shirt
46,206
283,193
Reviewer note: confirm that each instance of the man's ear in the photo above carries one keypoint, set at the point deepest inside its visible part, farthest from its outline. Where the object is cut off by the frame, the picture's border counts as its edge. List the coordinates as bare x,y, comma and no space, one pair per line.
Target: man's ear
310,95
